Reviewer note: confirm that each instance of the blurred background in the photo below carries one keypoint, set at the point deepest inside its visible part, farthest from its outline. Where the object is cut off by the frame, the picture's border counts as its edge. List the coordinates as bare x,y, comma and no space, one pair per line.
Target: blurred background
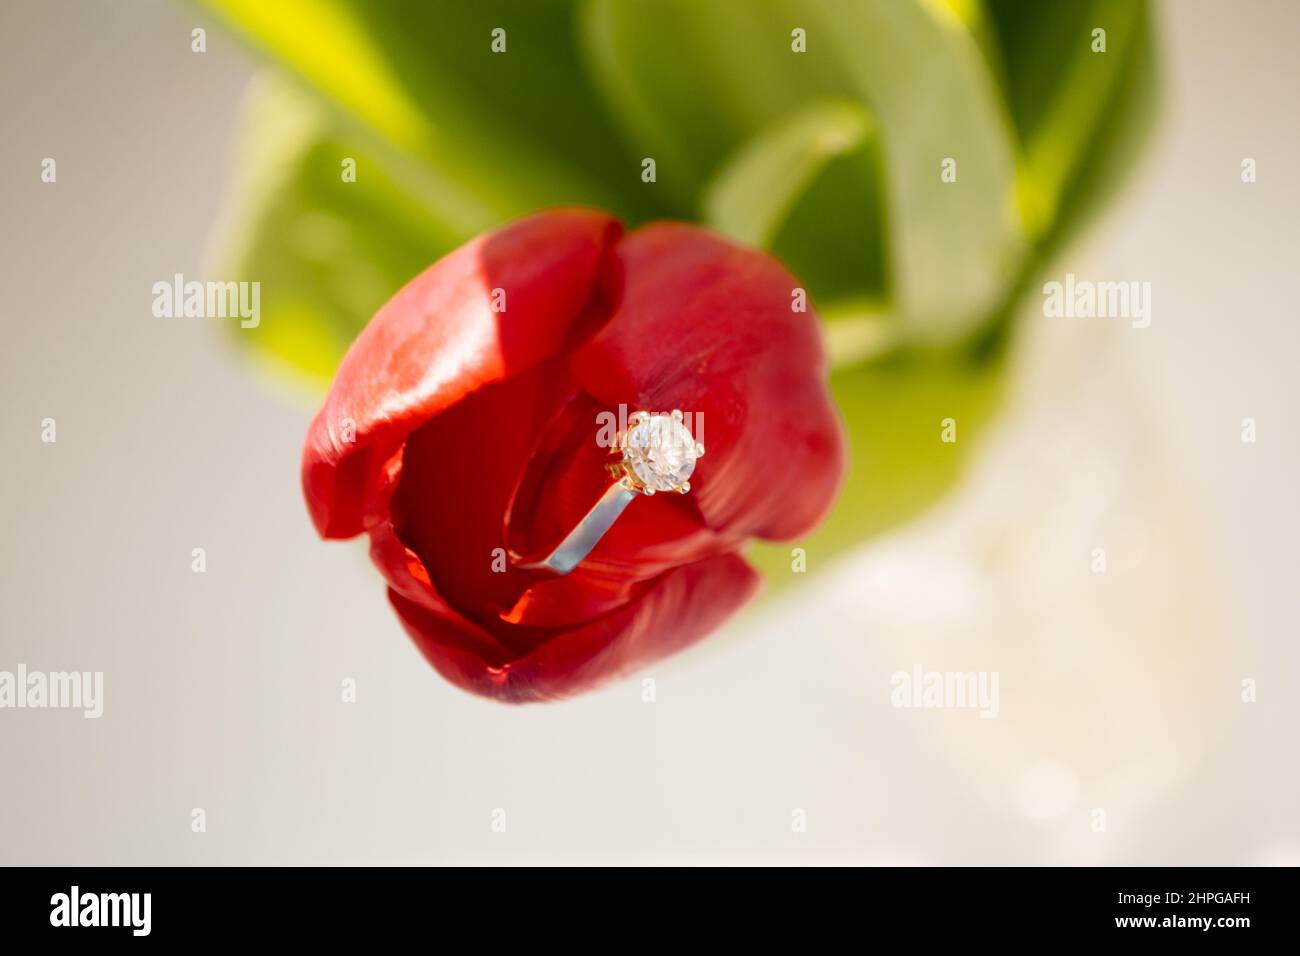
1120,692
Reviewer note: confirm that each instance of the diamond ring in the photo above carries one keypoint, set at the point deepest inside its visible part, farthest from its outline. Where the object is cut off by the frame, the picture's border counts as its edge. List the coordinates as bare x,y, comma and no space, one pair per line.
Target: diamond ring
656,453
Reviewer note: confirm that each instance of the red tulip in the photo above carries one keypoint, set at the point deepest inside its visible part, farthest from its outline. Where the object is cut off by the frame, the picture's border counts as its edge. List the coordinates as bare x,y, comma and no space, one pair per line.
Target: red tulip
447,403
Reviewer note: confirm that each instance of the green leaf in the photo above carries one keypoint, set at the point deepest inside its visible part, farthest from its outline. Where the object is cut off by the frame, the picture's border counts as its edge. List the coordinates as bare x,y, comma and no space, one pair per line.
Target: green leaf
1071,105
788,190
755,191
497,135
694,82
1125,127
894,414
327,253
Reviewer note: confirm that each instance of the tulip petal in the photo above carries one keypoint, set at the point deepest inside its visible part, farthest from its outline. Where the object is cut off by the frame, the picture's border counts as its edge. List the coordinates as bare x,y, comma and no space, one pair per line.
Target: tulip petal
709,327
680,608
477,429
408,578
459,470
442,337
562,482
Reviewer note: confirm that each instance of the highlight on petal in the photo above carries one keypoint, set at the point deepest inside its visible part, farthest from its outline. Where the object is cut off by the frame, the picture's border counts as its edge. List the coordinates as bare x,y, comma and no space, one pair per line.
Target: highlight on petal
493,308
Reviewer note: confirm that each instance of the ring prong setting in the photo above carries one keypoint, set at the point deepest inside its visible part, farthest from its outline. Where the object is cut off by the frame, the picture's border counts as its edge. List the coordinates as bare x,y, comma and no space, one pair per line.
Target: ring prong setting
658,452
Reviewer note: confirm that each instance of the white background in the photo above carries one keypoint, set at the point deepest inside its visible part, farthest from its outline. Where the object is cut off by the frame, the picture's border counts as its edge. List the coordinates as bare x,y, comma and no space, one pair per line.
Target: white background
1118,691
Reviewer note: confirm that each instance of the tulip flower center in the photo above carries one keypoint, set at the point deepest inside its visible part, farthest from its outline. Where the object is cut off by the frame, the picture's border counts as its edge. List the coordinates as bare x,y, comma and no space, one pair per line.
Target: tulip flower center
661,452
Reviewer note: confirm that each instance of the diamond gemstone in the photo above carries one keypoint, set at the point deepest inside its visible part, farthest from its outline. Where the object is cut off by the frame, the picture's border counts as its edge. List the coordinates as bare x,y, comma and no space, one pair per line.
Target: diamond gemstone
661,452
